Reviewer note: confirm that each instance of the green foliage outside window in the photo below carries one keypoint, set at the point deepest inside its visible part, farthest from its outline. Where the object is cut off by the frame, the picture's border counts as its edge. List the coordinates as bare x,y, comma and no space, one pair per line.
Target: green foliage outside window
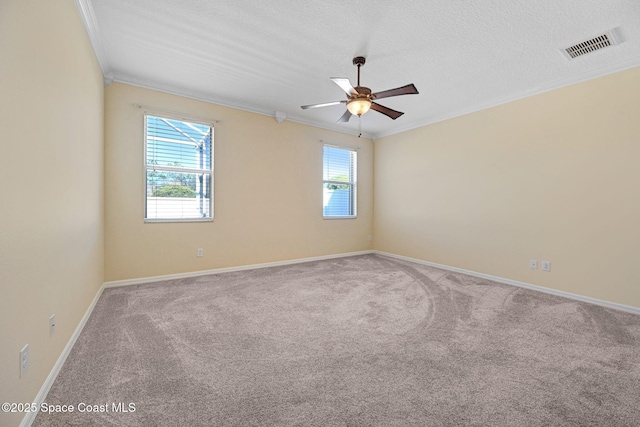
339,186
173,191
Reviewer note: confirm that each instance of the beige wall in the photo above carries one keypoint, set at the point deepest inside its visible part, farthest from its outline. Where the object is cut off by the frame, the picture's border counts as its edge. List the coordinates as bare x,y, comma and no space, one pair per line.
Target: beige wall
51,180
551,177
267,200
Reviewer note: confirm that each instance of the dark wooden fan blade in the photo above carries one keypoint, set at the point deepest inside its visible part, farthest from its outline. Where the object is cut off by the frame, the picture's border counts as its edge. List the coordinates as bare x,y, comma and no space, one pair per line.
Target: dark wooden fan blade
404,90
345,117
326,104
385,110
344,85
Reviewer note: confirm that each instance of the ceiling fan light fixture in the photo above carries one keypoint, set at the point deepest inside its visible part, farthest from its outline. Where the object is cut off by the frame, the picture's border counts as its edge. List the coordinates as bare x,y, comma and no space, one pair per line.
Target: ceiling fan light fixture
359,106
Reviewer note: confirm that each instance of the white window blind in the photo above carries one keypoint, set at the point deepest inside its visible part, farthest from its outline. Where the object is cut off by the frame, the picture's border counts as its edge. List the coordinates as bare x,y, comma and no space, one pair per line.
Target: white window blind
339,182
179,170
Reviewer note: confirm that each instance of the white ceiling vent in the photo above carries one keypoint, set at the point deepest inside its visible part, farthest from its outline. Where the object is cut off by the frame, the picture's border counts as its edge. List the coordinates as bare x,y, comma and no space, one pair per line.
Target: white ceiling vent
610,38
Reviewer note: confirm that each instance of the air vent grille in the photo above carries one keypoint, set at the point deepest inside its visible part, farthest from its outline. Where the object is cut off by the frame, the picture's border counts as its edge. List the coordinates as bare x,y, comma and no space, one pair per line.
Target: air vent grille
600,42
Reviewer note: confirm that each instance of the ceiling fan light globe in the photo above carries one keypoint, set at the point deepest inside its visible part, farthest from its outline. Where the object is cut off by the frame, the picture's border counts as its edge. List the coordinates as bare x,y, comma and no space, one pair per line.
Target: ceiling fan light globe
358,107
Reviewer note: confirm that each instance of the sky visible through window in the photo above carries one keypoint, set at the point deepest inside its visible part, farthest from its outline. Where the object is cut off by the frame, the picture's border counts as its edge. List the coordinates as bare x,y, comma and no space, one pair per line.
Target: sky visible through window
177,143
337,164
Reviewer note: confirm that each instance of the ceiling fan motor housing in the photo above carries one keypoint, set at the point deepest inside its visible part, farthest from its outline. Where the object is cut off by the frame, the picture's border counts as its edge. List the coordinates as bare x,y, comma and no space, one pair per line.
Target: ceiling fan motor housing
362,92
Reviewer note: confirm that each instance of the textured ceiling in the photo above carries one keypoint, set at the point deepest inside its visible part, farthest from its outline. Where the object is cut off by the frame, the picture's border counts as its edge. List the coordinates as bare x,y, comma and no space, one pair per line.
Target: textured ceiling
268,56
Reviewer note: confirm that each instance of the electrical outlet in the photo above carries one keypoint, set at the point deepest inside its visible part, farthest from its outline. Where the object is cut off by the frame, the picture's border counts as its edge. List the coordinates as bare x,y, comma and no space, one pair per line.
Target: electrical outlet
533,264
52,325
546,266
200,253
24,360
370,237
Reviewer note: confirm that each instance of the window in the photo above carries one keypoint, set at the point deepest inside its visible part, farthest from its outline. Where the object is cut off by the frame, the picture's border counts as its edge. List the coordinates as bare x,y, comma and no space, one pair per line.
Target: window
179,170
339,182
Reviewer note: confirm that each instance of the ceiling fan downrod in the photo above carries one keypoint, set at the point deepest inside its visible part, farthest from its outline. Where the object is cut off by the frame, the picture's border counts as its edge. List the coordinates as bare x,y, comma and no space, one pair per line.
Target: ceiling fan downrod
359,61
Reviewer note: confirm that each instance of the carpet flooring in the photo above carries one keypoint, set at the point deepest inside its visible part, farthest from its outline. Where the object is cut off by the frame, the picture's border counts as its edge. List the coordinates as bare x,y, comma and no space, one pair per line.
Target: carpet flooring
358,341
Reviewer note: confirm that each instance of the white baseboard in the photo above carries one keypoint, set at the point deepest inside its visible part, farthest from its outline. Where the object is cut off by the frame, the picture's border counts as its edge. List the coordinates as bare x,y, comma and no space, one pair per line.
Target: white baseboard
44,390
582,298
128,282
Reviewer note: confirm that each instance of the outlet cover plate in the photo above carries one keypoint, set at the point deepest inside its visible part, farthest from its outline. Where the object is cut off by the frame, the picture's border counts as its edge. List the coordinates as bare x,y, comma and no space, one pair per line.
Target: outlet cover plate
52,325
24,360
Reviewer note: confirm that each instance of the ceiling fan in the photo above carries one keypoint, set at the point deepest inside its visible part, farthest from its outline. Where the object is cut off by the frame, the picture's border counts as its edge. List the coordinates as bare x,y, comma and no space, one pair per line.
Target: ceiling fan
360,99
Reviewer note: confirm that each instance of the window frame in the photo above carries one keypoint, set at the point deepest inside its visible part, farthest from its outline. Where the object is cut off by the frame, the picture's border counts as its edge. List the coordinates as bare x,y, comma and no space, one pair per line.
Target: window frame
147,167
352,183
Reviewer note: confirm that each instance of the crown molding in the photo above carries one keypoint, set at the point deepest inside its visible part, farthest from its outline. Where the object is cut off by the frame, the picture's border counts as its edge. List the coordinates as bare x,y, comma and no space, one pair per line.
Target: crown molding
548,87
90,22
204,97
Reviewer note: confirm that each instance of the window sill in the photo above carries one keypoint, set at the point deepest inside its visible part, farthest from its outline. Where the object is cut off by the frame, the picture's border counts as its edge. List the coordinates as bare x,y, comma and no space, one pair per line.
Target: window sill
340,217
166,220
